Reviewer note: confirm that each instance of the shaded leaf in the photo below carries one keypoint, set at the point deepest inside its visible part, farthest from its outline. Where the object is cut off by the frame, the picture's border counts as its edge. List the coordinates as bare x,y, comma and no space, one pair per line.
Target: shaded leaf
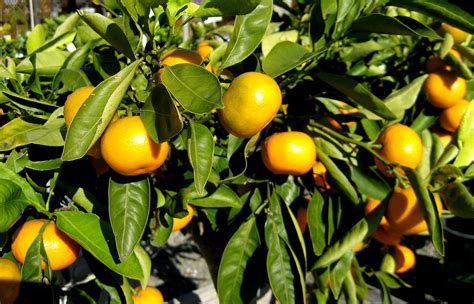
200,154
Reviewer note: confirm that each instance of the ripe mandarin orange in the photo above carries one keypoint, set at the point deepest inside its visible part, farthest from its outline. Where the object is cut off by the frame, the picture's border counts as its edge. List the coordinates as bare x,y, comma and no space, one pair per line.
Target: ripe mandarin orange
204,49
149,295
458,35
250,104
344,108
436,64
10,280
444,89
180,223
385,236
291,152
60,249
404,213
404,258
444,137
400,144
450,118
370,205
129,150
319,176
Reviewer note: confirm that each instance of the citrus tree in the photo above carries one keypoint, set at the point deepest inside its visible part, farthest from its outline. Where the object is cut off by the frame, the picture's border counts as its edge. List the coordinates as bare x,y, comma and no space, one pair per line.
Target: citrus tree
286,138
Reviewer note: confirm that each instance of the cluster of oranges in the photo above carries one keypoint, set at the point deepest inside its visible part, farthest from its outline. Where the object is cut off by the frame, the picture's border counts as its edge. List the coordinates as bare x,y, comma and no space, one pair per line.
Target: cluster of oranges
444,89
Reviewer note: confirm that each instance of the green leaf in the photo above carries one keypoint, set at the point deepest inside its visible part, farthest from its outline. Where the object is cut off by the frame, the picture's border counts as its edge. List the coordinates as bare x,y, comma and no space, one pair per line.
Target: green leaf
96,112
44,165
399,25
369,183
317,229
129,205
47,63
234,265
31,271
67,25
284,57
224,196
73,65
339,272
289,190
392,281
350,289
358,93
440,9
271,40
194,87
35,39
338,178
160,116
458,199
145,263
248,32
465,131
110,31
12,203
161,226
428,207
225,8
28,193
200,153
96,236
458,66
29,104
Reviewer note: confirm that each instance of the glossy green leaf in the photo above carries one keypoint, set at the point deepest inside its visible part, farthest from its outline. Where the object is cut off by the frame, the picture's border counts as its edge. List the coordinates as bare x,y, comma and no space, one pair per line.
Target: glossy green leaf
465,131
338,178
129,205
36,38
31,271
47,63
347,12
96,236
12,203
28,193
234,264
110,31
428,207
369,183
67,25
359,281
424,120
317,228
225,8
44,165
358,93
160,116
200,154
194,87
73,64
458,66
145,263
271,40
96,112
289,190
284,57
458,199
29,104
399,25
248,32
161,226
350,290
441,10
391,280
223,196
339,272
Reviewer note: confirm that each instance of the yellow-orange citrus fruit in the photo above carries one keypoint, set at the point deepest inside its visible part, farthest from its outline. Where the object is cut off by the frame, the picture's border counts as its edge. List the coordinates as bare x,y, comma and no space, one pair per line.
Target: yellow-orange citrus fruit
444,137
385,236
128,149
180,223
458,35
291,152
204,49
404,258
400,144
404,213
370,205
343,109
60,249
450,118
302,218
436,64
319,176
444,89
73,102
250,104
180,55
10,280
149,295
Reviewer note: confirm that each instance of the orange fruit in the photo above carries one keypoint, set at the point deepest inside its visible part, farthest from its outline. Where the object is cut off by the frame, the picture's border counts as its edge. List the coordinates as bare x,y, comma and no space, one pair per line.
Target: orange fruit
128,149
291,152
319,176
302,218
458,35
10,280
385,236
250,104
400,144
444,89
444,137
370,205
404,258
204,49
343,109
60,249
149,295
73,102
180,223
436,64
180,55
450,118
404,214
